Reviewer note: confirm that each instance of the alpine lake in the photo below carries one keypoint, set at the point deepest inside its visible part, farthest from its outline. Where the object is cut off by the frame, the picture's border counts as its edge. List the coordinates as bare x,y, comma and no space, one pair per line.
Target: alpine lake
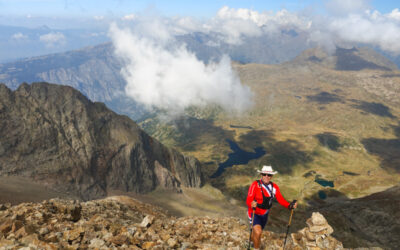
238,157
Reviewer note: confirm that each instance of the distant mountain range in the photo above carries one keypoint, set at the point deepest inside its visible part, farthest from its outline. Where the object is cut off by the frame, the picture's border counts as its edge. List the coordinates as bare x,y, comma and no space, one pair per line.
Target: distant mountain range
95,71
56,136
22,42
266,49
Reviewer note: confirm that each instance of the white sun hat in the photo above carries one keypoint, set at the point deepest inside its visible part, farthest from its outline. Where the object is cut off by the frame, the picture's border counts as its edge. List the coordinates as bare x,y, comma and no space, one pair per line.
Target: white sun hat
267,170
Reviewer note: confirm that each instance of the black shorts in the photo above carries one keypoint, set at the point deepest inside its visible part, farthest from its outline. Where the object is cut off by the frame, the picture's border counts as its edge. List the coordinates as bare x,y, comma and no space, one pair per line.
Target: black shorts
260,220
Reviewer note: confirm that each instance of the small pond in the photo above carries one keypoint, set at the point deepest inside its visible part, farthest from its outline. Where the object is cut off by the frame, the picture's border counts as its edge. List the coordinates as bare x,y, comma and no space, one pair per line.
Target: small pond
322,195
323,182
238,157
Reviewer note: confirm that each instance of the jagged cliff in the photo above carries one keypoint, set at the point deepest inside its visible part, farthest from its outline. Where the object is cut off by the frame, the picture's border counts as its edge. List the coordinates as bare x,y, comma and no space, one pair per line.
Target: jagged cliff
123,223
56,136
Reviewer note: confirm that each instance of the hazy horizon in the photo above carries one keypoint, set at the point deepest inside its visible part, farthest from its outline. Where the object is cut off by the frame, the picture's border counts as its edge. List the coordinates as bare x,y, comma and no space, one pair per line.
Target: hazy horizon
38,27
161,71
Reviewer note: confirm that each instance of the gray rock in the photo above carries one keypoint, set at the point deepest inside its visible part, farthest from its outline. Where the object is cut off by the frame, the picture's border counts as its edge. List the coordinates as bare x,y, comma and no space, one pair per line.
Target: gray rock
147,221
96,230
54,133
318,219
96,243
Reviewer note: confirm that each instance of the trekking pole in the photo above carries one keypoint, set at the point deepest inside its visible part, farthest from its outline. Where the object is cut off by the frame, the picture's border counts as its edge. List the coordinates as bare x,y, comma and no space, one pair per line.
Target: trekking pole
290,221
251,228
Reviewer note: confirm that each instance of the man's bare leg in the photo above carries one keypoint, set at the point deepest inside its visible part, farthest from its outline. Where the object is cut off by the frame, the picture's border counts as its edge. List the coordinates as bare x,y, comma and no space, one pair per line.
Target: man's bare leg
256,236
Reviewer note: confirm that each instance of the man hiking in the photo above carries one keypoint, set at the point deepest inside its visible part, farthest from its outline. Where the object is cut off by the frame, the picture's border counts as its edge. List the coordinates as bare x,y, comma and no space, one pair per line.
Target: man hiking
259,201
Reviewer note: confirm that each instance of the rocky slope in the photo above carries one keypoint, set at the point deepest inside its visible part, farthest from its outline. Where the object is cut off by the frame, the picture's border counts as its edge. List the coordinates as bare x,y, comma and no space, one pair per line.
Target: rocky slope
58,137
373,220
123,223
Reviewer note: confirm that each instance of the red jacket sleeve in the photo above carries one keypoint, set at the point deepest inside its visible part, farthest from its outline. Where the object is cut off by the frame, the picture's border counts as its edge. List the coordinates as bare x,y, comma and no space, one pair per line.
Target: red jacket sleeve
280,198
251,194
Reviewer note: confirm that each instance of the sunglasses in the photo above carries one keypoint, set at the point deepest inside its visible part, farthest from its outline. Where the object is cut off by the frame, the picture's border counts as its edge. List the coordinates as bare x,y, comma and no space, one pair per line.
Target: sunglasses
269,175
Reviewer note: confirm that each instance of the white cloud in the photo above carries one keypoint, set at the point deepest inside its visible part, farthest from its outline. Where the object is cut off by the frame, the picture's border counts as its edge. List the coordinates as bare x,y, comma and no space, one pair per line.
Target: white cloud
370,28
234,24
98,18
53,38
226,13
351,22
230,25
129,17
344,7
161,74
395,14
19,36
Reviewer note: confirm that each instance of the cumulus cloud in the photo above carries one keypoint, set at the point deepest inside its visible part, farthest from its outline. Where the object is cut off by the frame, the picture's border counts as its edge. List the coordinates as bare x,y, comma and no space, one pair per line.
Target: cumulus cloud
364,29
161,74
349,22
53,39
395,14
369,28
232,25
129,17
19,36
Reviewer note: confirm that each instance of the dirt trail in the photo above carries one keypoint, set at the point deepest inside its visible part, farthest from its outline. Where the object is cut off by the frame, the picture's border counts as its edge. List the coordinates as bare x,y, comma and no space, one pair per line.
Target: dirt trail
16,190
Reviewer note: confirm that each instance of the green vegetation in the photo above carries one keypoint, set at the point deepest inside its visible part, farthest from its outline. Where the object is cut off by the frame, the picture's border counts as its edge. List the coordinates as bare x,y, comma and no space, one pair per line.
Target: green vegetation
310,119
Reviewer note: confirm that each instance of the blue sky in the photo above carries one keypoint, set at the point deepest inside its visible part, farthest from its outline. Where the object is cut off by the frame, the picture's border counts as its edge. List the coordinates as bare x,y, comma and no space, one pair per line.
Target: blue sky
205,8
116,8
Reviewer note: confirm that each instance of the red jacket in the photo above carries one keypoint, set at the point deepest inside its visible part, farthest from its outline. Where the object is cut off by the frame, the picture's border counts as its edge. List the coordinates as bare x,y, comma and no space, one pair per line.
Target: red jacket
255,194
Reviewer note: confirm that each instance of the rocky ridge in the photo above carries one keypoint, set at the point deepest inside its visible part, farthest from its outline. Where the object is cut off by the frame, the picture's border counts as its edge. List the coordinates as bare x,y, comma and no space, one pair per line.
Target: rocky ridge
124,223
55,135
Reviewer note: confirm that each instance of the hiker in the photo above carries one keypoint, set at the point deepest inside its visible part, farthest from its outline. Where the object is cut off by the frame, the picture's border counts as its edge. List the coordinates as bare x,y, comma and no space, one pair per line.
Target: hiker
260,195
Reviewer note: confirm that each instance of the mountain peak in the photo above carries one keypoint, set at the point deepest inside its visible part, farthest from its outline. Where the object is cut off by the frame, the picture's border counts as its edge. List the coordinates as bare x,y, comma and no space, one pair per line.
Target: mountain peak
54,134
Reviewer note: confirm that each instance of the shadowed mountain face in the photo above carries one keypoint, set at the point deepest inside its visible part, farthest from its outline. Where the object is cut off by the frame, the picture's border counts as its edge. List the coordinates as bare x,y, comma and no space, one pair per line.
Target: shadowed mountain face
72,68
370,221
55,135
347,59
355,59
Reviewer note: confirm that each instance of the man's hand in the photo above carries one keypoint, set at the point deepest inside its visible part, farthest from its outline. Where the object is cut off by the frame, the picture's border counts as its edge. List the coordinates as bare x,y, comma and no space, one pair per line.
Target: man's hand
254,204
293,205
